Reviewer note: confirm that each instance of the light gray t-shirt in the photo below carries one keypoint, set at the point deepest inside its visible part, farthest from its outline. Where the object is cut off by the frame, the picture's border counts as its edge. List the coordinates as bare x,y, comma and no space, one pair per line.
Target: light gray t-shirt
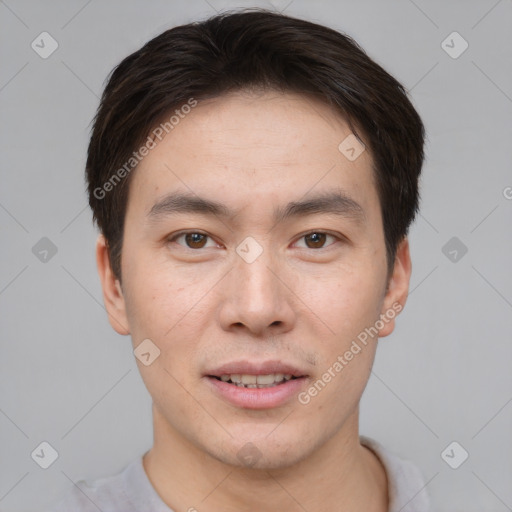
131,491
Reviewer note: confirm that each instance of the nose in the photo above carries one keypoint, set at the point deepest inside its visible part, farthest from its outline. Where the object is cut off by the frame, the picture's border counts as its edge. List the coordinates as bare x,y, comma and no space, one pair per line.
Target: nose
258,297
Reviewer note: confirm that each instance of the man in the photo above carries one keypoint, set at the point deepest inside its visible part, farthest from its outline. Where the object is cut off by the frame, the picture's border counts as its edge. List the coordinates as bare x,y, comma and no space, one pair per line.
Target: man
254,177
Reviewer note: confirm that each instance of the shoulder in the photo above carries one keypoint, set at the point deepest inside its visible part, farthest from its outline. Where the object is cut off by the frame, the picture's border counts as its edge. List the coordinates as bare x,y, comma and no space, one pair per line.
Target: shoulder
125,491
105,494
406,483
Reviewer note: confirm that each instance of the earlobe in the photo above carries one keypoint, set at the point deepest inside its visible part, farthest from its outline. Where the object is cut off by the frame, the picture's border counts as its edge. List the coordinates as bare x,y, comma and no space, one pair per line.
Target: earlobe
398,288
113,297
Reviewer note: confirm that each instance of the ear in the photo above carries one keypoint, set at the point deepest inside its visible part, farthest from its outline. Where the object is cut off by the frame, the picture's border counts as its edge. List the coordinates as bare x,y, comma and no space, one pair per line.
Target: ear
113,297
397,290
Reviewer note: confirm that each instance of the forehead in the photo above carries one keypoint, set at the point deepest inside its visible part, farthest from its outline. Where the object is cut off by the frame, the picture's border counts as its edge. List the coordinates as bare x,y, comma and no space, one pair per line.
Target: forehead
244,147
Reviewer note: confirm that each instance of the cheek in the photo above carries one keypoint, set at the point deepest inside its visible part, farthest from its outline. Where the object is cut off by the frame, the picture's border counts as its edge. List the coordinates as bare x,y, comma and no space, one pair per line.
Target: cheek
341,378
350,306
347,303
170,308
160,299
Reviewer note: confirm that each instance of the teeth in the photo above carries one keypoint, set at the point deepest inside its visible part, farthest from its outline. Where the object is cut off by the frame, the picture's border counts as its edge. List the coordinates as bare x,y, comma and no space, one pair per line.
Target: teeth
256,381
265,379
248,379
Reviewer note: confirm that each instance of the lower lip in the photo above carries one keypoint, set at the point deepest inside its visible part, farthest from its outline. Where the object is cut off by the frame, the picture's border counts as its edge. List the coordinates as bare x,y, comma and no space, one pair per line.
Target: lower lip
257,398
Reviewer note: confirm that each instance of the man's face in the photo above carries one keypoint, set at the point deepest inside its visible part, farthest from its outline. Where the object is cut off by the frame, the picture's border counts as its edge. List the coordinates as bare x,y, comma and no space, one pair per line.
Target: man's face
249,287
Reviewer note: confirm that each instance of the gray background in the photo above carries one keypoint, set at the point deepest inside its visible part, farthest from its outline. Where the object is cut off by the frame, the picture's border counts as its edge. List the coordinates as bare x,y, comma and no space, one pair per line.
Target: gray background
444,375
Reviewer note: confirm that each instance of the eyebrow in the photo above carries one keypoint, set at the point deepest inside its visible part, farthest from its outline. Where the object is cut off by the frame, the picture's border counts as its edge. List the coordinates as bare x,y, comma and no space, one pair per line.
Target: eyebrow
336,203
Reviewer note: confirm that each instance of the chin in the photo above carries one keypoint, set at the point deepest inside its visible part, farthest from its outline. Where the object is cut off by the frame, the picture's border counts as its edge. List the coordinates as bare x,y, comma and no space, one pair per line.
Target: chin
262,452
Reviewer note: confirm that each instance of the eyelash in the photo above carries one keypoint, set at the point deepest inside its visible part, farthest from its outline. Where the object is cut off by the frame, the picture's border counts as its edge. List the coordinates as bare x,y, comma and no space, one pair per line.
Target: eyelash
174,237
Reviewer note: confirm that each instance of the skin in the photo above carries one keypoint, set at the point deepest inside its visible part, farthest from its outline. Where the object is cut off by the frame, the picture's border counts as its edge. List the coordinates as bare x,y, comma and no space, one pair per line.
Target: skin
297,302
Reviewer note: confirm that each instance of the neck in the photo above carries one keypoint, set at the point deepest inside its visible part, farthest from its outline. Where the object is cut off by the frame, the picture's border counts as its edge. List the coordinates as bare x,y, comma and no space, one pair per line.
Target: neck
340,475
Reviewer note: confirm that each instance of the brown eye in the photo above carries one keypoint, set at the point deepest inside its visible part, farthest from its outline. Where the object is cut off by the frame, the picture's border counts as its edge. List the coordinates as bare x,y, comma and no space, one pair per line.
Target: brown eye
315,240
193,240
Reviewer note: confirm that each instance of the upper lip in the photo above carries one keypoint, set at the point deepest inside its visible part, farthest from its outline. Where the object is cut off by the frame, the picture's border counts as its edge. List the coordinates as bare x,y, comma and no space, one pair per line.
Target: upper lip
255,368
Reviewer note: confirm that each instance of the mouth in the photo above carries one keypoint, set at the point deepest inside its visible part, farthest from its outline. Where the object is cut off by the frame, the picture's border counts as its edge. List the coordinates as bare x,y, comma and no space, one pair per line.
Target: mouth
256,381
256,385
271,393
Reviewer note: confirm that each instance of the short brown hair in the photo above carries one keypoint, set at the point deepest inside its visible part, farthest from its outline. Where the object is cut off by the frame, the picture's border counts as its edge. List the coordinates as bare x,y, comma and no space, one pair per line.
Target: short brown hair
244,49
